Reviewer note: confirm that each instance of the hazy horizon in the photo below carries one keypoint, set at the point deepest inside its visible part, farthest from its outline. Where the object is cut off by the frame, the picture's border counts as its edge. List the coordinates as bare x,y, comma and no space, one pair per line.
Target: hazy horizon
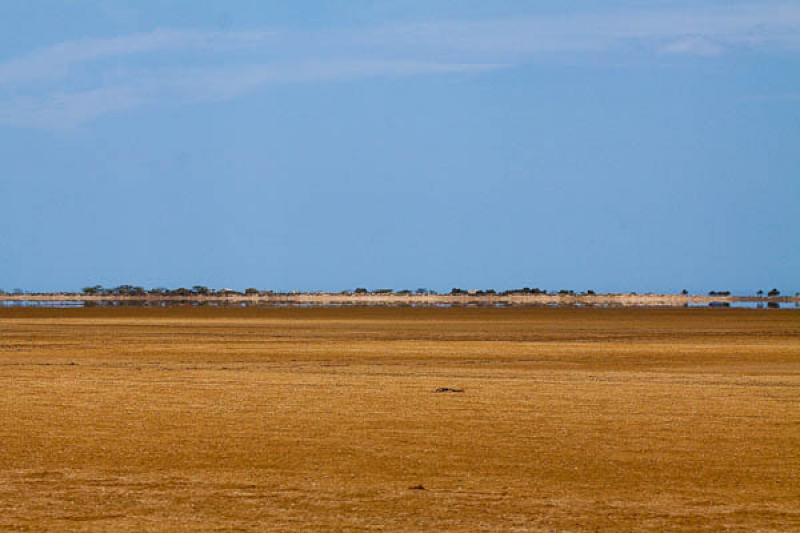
195,289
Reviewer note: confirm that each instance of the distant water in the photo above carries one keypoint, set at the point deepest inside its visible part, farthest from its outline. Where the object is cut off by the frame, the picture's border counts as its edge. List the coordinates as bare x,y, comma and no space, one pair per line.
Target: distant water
72,304
749,305
42,303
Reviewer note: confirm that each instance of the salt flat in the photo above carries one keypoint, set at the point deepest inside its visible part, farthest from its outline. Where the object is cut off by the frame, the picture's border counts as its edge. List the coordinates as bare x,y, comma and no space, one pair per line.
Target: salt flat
327,418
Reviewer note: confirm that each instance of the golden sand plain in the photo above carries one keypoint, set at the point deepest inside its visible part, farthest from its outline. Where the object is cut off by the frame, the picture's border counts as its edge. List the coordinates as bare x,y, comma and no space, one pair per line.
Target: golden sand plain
326,419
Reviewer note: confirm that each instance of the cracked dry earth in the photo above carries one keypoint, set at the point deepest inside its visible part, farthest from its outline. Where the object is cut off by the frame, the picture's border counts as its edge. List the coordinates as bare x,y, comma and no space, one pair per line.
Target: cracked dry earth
327,419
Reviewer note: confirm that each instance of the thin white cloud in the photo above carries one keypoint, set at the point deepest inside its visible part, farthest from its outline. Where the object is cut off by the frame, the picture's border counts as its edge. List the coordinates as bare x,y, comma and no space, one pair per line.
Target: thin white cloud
756,24
697,46
63,110
221,83
74,82
55,61
59,110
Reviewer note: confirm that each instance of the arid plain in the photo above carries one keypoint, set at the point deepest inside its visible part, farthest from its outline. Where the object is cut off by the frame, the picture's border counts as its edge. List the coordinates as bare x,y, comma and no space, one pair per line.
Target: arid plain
327,419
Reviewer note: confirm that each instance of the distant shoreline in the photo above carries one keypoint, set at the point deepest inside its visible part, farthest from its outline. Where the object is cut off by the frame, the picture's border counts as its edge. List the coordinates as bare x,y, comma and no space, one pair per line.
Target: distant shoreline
322,299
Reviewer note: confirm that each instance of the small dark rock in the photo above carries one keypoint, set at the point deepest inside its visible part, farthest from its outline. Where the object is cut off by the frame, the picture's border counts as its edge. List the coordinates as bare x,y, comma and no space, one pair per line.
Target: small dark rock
416,487
449,389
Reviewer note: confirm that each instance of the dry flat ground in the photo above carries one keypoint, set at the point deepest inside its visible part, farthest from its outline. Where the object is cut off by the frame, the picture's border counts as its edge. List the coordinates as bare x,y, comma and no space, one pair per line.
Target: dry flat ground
322,419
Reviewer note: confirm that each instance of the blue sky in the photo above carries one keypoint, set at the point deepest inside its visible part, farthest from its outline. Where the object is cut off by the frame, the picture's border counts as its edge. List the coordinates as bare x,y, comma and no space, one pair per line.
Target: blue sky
322,145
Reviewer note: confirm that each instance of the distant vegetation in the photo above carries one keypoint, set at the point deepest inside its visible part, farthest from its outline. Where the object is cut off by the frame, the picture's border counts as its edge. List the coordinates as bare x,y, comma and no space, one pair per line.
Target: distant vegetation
202,290
13,291
196,290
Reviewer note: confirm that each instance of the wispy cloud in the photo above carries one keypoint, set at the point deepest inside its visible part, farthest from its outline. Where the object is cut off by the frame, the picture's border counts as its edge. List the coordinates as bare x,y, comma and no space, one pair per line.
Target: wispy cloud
58,110
761,24
57,60
66,109
698,46
70,83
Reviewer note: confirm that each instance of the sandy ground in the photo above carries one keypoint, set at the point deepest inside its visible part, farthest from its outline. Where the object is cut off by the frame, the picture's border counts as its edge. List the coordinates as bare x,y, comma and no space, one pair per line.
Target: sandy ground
327,419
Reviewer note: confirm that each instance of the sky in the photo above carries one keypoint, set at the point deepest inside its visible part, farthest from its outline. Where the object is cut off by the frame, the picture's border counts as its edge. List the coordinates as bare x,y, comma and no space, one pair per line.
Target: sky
325,145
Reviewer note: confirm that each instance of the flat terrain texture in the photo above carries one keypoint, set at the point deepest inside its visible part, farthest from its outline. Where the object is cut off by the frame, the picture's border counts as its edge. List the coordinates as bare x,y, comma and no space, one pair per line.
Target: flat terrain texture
327,419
